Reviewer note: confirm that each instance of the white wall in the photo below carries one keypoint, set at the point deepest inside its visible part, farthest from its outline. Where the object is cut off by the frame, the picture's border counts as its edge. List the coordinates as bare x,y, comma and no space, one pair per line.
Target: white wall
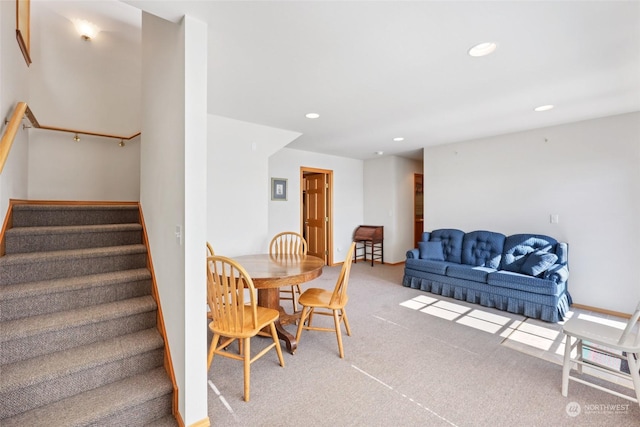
92,169
347,194
173,193
587,172
14,79
194,396
238,184
84,85
388,201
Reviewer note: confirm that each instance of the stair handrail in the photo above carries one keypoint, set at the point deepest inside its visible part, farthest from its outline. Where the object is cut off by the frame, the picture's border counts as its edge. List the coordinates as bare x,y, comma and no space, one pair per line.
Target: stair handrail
21,111
9,136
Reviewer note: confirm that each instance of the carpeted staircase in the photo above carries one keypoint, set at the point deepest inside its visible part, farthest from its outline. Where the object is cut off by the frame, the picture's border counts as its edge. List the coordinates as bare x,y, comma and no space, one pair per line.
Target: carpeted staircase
79,344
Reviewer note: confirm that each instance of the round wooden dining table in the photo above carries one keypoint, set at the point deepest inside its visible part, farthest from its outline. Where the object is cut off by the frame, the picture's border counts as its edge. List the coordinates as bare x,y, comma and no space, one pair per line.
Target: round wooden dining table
270,272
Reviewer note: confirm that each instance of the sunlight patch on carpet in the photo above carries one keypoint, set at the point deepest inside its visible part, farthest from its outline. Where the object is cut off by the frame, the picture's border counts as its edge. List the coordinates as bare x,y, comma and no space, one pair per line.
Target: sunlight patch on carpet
418,302
440,312
222,399
529,336
480,324
475,318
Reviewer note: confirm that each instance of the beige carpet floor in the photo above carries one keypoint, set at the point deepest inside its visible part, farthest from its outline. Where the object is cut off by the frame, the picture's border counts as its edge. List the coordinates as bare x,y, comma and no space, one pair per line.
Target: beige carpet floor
414,359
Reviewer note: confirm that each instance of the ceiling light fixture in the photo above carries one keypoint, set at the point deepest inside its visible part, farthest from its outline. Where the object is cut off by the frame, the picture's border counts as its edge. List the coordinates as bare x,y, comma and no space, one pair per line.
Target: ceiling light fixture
379,153
312,115
482,49
544,108
76,138
398,139
86,29
121,143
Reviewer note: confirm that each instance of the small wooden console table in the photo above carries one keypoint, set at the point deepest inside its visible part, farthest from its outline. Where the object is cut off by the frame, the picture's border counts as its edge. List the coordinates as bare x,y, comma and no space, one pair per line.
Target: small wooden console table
369,240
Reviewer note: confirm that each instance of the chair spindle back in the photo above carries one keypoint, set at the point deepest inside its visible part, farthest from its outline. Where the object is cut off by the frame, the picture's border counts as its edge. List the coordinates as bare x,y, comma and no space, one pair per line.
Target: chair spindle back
228,301
340,291
288,242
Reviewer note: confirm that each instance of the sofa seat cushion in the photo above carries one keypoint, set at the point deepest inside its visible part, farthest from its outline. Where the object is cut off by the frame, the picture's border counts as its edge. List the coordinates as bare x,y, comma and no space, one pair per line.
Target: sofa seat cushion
428,265
469,272
522,282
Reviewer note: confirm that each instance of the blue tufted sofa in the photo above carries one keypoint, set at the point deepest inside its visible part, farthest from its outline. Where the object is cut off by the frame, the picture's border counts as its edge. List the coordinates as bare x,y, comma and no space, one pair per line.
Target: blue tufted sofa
524,273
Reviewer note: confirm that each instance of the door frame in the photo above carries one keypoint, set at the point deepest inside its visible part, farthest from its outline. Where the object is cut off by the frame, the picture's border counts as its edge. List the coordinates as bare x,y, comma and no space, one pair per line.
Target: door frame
329,206
417,236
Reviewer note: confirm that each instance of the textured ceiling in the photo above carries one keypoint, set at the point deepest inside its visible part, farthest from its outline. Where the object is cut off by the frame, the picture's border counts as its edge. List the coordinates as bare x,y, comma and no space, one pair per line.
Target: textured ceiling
379,70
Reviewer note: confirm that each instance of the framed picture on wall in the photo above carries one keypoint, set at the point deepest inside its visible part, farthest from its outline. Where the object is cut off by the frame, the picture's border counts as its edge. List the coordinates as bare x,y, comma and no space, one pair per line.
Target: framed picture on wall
23,30
278,189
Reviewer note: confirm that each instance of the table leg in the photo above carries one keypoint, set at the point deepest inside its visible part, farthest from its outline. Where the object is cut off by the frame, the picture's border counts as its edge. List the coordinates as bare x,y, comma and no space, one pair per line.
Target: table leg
270,298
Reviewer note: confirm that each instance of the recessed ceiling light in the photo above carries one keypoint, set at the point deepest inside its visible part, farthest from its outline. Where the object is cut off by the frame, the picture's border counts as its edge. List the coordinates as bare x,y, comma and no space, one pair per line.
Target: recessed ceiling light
483,49
379,153
398,139
544,108
312,115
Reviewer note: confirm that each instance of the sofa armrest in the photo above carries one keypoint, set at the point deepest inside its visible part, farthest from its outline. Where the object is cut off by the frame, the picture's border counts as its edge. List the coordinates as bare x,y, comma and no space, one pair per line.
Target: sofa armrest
558,273
413,253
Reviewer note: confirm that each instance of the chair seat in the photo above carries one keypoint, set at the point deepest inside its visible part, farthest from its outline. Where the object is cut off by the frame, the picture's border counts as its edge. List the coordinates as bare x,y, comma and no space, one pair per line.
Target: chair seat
231,296
330,303
265,316
598,333
316,297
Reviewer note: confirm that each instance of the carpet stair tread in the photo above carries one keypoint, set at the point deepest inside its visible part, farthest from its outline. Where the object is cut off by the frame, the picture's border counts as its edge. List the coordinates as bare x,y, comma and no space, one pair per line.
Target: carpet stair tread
48,287
51,366
79,337
36,266
37,325
53,256
53,238
70,229
42,380
97,406
49,296
72,207
27,215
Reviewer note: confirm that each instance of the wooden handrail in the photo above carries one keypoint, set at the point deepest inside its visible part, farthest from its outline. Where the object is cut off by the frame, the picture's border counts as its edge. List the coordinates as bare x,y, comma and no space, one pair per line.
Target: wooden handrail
84,132
22,110
10,134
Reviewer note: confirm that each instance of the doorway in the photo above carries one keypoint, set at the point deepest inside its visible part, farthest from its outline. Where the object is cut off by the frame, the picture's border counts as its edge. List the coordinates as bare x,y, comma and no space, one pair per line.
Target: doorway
418,208
316,211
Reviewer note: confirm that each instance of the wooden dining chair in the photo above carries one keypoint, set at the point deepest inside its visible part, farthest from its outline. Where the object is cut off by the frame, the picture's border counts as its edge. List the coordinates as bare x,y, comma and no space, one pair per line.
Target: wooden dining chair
235,318
291,243
328,303
210,252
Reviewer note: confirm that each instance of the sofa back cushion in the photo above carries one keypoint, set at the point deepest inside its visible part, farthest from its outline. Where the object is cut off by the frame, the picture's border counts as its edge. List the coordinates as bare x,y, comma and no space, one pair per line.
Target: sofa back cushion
518,246
431,250
538,262
483,248
451,243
